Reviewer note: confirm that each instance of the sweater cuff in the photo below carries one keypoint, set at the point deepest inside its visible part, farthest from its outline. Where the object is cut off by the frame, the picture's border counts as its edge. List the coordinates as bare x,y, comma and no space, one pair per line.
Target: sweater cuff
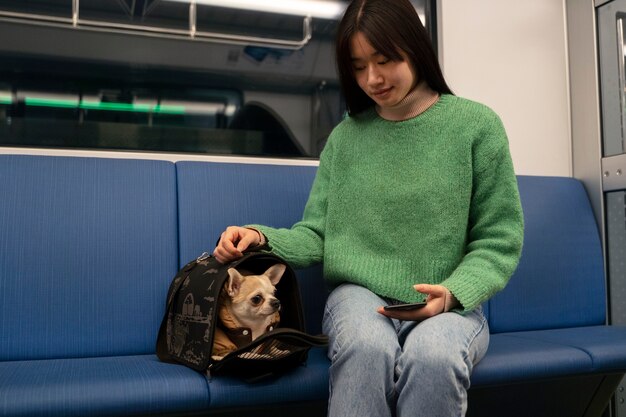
468,292
262,238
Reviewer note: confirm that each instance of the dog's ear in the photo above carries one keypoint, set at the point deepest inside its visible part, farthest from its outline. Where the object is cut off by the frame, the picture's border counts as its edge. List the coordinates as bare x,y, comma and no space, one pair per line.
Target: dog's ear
234,282
275,273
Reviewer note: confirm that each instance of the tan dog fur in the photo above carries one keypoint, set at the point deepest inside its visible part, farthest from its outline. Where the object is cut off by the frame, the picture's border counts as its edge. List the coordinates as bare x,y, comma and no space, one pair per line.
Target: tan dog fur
247,308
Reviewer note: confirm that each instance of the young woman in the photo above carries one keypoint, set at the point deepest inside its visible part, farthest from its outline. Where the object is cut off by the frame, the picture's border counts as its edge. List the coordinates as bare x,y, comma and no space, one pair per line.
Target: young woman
415,199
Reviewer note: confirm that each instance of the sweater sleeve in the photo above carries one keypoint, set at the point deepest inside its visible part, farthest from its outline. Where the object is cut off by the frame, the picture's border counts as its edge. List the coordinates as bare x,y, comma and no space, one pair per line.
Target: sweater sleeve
303,244
495,228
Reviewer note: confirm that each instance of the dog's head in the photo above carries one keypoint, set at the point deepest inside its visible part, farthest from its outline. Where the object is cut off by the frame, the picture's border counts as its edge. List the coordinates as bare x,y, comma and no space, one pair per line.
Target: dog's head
252,298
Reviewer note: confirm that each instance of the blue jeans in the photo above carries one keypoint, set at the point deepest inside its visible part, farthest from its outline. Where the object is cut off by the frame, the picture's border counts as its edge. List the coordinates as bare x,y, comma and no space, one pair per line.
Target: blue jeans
383,367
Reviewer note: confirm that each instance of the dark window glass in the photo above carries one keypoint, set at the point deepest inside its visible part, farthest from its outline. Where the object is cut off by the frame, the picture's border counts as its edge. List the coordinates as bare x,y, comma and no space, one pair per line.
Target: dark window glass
158,75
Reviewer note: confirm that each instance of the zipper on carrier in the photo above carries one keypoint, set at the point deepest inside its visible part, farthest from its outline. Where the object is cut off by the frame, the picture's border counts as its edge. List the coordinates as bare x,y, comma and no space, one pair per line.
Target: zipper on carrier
204,256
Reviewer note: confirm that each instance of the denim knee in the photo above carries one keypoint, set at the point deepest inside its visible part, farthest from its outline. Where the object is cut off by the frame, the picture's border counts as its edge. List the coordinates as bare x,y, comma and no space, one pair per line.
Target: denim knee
437,361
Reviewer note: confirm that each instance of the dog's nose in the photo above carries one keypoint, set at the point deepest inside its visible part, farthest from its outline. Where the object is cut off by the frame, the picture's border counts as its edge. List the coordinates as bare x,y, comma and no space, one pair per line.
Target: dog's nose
275,303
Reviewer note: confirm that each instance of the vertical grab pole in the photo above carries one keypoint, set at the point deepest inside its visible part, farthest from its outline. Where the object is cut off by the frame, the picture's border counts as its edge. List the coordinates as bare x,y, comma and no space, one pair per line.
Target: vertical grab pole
75,9
193,17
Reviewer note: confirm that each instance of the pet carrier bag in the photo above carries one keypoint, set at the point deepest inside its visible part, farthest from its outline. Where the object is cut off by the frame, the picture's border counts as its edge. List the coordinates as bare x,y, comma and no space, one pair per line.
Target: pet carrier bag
188,327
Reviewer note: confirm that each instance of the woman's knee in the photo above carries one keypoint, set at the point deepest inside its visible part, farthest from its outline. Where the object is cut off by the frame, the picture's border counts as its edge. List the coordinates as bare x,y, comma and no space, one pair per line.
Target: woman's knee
434,360
450,350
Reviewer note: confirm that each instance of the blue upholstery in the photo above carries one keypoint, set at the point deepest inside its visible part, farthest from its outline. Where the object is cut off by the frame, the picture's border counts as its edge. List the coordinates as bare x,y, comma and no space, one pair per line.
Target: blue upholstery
89,246
107,386
558,285
605,345
305,383
560,280
87,249
511,358
215,195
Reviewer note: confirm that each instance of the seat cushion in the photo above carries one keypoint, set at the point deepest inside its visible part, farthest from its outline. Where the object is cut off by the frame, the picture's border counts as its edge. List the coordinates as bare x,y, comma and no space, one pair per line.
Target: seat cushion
513,358
605,345
304,383
131,385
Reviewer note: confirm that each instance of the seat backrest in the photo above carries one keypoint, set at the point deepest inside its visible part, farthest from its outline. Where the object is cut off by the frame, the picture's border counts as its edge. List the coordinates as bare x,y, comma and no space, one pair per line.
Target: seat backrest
214,195
88,247
560,278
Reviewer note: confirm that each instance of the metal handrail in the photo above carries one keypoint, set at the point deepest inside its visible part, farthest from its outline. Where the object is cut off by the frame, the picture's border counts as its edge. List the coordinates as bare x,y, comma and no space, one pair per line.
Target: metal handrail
192,34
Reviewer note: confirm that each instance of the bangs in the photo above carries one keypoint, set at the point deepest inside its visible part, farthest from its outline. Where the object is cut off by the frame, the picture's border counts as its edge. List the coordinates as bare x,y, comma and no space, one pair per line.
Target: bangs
384,42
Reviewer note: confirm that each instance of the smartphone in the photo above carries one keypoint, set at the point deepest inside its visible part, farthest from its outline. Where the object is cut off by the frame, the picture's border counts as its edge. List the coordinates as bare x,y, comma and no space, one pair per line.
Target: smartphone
404,307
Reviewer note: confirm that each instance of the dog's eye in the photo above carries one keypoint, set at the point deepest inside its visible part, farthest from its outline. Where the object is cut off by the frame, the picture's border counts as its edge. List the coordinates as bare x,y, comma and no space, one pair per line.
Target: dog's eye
256,300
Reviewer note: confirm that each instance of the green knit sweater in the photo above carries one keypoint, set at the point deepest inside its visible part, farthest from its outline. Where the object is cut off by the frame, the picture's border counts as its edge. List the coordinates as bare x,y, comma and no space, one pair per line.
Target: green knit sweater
432,199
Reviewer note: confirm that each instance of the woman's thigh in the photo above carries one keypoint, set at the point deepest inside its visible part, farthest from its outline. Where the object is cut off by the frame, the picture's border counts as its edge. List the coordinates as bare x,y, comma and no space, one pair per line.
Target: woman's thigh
363,348
351,320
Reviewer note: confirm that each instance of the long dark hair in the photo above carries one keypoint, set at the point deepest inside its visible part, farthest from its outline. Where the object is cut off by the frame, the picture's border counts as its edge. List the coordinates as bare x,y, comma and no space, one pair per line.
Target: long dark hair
390,26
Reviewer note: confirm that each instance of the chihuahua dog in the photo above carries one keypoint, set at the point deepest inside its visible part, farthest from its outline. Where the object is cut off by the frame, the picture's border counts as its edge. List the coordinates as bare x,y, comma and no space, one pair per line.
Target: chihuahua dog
247,308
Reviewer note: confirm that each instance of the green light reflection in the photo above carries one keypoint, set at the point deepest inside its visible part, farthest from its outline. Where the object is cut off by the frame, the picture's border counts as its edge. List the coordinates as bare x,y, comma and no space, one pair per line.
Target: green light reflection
93,105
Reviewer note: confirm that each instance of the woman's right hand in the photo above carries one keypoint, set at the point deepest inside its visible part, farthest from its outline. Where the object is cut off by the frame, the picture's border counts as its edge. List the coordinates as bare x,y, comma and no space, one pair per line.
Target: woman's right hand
233,241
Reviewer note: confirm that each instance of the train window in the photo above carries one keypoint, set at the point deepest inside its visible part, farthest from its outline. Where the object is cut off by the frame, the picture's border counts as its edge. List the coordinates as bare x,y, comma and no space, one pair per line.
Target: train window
164,15
52,8
169,76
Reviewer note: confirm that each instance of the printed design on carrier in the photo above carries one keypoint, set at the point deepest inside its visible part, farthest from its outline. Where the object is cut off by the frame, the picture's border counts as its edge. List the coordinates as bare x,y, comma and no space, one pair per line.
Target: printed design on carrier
193,316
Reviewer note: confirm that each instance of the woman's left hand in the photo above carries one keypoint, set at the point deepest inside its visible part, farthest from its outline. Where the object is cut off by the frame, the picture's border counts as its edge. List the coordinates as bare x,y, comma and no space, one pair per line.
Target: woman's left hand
439,300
